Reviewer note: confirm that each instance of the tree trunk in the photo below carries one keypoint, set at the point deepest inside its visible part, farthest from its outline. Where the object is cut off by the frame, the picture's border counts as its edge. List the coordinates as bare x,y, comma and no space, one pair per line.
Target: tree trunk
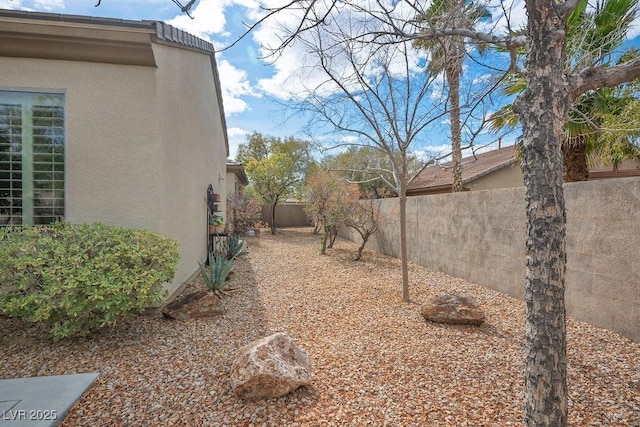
365,239
333,233
543,110
574,155
323,240
273,217
453,77
403,231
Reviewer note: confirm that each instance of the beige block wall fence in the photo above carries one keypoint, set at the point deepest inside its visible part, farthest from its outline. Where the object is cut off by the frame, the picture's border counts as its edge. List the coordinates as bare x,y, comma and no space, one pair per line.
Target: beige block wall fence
287,215
480,236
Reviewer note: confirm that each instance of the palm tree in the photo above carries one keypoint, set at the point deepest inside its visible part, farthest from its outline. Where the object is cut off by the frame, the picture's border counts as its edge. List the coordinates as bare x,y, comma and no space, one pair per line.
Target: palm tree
619,135
594,35
447,55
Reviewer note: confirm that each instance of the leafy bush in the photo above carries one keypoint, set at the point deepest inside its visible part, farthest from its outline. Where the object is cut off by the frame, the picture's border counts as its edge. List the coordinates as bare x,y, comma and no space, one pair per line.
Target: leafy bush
78,277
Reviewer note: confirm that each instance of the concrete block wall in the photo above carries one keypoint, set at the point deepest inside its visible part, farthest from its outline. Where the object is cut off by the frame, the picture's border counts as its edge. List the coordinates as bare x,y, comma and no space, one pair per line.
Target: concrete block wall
603,253
480,236
287,215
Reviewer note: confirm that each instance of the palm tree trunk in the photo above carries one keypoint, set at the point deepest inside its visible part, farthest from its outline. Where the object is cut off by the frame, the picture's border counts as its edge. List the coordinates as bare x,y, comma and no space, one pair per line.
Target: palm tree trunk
543,109
574,156
453,77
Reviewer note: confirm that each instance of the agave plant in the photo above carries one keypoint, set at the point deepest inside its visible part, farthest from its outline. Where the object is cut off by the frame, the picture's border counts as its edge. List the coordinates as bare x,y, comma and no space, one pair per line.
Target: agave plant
219,269
235,246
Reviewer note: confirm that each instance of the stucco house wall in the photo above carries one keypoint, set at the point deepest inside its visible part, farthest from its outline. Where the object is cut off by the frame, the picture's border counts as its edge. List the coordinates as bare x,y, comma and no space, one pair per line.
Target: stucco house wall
507,177
143,142
498,168
236,178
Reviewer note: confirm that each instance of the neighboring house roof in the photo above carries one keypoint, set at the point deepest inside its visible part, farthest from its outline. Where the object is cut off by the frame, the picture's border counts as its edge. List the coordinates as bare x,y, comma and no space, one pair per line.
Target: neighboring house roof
95,39
238,169
628,168
439,178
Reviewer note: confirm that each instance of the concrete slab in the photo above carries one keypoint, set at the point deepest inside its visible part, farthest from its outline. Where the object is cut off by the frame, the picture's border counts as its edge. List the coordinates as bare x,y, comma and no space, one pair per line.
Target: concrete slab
40,401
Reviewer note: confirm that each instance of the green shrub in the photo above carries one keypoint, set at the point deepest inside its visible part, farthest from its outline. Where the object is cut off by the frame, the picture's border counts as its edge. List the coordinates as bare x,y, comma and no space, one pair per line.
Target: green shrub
78,277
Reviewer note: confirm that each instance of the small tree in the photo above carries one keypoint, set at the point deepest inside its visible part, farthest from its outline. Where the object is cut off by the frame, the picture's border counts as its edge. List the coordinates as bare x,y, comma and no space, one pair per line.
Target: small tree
243,210
371,169
275,167
366,218
328,200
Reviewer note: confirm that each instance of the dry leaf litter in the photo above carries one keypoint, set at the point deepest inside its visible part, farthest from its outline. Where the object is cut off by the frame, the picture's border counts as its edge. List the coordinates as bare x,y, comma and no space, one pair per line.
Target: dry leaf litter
376,362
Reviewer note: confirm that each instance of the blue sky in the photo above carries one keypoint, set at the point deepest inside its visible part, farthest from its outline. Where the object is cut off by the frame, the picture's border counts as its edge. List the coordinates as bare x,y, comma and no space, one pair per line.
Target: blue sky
254,90
247,106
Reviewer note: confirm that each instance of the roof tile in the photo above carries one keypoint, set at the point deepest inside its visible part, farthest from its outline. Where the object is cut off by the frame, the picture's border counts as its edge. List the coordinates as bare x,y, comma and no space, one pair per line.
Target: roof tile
473,167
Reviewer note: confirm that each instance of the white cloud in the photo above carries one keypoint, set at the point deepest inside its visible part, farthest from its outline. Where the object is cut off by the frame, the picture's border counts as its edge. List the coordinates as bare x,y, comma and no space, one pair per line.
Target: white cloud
296,69
235,84
510,13
48,5
209,17
236,136
12,4
349,139
634,30
235,132
482,79
433,151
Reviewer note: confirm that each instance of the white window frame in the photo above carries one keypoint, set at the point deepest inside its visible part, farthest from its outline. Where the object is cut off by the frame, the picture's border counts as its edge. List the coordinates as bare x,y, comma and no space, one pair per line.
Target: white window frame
27,99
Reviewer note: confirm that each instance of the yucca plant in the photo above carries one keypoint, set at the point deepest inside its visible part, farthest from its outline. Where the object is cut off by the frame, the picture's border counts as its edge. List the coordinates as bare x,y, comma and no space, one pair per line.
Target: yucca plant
219,269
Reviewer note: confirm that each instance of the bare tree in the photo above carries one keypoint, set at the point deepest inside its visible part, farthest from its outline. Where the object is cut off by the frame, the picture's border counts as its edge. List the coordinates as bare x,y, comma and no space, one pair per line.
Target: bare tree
365,218
551,86
378,93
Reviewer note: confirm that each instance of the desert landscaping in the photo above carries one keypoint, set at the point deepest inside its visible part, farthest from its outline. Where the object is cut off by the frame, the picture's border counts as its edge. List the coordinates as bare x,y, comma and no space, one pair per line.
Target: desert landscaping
375,360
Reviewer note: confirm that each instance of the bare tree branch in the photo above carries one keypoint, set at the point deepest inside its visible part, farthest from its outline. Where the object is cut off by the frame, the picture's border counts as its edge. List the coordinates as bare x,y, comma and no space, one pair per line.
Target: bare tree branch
597,77
565,9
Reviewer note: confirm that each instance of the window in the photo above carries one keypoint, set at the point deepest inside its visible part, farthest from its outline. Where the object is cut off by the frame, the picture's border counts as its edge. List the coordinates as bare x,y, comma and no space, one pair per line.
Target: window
31,158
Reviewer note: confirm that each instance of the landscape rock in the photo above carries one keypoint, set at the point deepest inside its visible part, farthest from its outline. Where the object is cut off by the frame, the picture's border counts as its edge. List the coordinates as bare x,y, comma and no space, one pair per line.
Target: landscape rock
453,309
270,367
193,306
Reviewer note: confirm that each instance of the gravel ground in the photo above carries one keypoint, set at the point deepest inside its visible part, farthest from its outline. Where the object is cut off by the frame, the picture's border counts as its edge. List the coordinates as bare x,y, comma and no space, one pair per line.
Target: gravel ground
375,360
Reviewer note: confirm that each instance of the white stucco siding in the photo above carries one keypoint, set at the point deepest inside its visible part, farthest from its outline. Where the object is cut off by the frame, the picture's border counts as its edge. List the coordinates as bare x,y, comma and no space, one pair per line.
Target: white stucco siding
142,143
111,136
232,183
193,153
510,176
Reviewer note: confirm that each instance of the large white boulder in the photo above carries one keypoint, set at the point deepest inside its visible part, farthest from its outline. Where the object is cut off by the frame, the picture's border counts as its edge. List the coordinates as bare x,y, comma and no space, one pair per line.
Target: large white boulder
270,367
